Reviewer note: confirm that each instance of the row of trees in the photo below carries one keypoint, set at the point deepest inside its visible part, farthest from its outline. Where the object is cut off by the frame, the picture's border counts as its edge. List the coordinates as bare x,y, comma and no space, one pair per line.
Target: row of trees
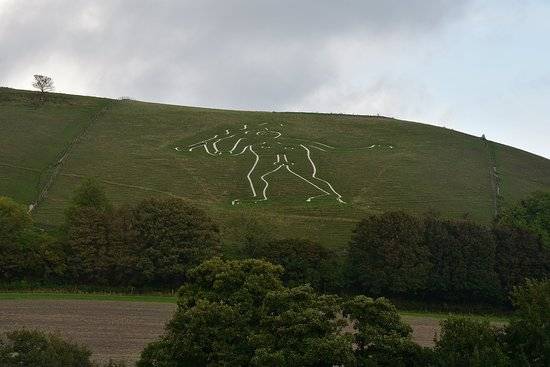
150,245
402,255
154,243
240,313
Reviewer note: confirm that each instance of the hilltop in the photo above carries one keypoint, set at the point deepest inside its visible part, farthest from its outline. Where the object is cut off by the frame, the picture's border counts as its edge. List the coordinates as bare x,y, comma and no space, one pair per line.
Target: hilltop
294,174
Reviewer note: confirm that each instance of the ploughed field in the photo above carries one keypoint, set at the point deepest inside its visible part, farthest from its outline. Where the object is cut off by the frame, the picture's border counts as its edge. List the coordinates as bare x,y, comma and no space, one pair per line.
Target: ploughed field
311,175
119,330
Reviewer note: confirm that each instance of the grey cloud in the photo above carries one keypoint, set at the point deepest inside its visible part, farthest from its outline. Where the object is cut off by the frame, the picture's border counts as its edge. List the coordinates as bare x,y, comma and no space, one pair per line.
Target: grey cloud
243,54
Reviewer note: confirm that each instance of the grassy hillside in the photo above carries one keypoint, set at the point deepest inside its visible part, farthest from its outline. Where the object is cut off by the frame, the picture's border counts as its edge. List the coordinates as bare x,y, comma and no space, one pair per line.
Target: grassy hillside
372,164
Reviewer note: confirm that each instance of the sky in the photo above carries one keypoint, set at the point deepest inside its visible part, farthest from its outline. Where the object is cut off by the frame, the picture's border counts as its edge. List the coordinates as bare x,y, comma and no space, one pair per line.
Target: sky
477,66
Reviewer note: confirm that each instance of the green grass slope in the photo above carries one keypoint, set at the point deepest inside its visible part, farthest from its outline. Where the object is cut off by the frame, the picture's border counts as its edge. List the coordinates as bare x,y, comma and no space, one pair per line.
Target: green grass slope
374,164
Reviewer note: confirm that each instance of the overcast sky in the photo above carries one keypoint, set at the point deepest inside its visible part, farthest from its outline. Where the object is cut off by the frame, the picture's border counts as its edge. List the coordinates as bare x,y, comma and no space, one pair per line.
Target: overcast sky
478,66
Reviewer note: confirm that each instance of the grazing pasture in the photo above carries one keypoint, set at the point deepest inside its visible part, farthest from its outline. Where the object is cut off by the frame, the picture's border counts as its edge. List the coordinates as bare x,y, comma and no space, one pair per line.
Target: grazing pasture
312,175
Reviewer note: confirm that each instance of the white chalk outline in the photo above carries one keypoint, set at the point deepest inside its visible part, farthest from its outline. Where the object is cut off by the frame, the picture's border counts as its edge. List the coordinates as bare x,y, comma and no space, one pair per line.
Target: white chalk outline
279,162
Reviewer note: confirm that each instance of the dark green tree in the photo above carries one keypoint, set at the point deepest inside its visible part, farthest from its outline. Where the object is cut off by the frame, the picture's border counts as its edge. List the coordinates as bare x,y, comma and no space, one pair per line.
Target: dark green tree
520,254
169,238
304,262
91,256
528,335
532,214
26,252
387,255
219,307
300,328
91,194
470,343
463,258
14,222
381,338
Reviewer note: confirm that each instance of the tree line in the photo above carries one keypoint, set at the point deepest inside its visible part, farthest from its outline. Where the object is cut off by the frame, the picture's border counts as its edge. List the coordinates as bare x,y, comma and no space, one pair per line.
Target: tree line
153,244
240,313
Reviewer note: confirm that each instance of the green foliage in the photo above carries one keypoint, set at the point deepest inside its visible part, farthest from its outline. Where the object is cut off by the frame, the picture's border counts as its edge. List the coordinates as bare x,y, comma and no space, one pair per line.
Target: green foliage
13,220
154,243
37,349
463,258
470,343
304,262
387,254
26,252
300,328
520,254
170,237
380,336
93,256
528,335
531,214
218,309
91,195
238,313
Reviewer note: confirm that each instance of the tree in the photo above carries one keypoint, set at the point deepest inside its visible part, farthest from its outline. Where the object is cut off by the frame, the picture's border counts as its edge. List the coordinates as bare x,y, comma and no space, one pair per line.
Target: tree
463,258
218,308
470,343
238,313
381,338
169,238
304,262
387,255
91,255
14,224
43,83
90,194
528,335
37,349
520,254
532,214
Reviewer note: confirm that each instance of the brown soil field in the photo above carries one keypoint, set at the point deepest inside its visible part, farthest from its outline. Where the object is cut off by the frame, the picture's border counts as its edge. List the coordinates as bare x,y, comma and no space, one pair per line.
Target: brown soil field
120,330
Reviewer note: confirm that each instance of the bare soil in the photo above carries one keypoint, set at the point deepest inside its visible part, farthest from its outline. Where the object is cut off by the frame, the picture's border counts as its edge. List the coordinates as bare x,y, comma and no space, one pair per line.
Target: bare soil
120,330
110,329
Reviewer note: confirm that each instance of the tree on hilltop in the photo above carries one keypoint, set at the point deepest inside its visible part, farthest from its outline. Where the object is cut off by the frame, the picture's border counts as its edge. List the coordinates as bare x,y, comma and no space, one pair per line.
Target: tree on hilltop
43,83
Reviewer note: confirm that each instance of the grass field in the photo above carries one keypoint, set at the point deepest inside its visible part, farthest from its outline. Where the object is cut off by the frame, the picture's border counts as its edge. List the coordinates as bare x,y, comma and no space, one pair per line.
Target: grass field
374,164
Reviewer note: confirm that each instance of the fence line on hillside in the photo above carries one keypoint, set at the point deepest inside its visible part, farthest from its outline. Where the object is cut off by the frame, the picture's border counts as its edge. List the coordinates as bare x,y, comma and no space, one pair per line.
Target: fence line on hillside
52,171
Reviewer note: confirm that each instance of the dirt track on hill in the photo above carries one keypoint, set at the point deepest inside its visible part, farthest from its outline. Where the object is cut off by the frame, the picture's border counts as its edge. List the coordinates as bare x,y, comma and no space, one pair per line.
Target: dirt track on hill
120,330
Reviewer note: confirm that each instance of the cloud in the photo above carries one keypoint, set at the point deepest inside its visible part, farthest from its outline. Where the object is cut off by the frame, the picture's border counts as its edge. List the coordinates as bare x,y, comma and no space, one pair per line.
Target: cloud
242,54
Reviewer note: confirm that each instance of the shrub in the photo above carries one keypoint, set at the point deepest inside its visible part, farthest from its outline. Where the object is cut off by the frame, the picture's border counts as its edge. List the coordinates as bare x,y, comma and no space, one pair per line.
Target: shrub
528,335
37,349
465,342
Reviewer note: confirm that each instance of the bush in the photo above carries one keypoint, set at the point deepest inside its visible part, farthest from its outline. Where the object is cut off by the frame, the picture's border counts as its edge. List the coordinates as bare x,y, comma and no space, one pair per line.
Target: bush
37,349
528,335
465,342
